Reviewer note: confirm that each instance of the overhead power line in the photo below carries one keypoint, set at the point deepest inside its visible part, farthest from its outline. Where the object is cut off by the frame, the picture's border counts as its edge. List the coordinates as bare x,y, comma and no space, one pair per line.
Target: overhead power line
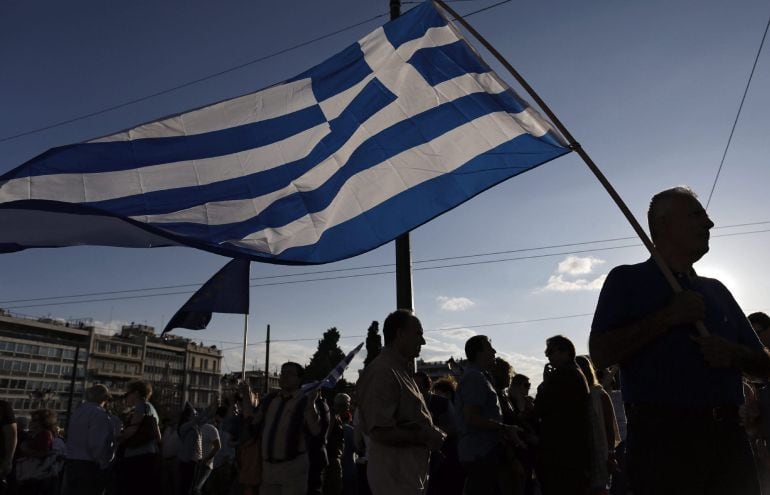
370,267
437,330
341,277
737,116
217,74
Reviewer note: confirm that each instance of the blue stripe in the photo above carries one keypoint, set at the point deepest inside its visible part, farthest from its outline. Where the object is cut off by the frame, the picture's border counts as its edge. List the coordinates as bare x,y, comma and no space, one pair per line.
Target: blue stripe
338,73
369,101
388,143
441,63
413,24
424,202
126,155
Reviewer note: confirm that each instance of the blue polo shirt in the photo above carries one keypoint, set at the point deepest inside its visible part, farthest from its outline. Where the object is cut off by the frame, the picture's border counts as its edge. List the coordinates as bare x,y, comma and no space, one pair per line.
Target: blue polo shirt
475,389
671,370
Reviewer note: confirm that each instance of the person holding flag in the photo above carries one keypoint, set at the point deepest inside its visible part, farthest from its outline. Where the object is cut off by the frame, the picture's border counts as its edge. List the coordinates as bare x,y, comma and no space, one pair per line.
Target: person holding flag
288,420
682,391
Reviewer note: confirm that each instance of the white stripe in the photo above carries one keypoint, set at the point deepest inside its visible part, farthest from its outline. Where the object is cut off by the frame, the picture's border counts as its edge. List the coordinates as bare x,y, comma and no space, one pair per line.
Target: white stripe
376,185
75,188
269,103
415,95
222,212
333,106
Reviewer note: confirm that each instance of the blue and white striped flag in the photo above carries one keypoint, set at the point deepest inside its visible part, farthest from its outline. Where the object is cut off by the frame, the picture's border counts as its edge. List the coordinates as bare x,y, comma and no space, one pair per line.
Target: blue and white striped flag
334,376
393,131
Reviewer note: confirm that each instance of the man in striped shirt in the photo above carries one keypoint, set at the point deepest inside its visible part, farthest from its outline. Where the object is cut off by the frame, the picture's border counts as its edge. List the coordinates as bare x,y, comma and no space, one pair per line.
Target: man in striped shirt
289,418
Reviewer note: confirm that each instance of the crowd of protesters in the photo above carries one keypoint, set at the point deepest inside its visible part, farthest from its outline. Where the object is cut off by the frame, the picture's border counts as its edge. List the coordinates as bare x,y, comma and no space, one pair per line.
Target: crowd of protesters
668,410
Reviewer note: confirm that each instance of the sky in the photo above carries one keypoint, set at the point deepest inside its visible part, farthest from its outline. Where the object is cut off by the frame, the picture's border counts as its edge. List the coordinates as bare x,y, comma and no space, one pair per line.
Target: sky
650,90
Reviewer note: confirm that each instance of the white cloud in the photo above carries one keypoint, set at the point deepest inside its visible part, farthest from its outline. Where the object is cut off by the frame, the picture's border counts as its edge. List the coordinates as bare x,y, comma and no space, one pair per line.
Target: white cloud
437,350
530,366
565,279
557,283
575,265
457,333
454,303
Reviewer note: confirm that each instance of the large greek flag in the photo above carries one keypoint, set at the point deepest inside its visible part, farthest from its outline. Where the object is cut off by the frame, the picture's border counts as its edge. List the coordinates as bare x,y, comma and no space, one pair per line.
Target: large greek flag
396,129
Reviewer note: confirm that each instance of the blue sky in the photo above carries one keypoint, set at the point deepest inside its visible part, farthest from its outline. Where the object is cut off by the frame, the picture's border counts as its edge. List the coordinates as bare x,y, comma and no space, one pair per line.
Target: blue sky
650,89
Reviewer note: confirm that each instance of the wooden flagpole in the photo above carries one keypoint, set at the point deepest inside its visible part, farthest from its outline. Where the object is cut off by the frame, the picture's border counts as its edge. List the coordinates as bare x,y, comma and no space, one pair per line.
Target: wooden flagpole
245,337
575,146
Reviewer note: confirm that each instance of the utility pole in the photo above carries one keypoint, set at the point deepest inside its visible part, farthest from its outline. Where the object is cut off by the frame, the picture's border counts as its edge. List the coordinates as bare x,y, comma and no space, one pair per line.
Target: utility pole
267,361
404,297
72,383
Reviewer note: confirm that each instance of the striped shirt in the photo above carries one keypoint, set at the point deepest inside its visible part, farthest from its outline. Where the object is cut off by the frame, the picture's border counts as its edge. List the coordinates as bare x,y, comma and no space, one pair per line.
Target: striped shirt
279,430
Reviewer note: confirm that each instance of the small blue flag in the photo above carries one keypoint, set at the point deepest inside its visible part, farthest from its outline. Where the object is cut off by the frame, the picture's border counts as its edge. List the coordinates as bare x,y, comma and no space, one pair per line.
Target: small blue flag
226,292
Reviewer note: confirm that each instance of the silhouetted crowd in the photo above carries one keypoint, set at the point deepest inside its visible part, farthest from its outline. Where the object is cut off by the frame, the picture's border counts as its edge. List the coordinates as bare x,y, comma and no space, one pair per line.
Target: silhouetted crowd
673,400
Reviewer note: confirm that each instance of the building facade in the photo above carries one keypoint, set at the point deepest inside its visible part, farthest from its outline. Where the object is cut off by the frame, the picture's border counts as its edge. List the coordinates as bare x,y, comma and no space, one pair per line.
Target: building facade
440,369
37,365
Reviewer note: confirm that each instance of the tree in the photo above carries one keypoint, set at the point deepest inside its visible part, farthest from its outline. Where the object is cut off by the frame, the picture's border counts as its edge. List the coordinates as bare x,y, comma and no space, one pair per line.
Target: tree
326,357
373,343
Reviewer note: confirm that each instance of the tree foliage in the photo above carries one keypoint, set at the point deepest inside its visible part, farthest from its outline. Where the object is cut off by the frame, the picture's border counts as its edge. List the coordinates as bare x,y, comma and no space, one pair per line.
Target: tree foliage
373,343
326,357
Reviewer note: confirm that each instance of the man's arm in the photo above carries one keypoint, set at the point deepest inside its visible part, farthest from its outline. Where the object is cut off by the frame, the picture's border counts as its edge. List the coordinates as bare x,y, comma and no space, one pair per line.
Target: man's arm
721,353
619,344
313,416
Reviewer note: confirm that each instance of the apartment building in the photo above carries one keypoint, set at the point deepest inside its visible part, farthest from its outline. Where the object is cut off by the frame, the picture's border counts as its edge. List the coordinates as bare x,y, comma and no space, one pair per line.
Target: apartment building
37,360
37,357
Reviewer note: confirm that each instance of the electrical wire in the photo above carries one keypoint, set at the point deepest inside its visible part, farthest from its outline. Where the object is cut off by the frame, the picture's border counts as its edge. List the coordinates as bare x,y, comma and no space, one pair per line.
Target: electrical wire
740,107
341,277
215,75
190,83
369,267
437,330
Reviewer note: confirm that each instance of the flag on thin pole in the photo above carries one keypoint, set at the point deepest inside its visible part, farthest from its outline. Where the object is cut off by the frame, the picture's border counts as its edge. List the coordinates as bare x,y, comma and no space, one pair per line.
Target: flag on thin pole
398,128
334,375
226,292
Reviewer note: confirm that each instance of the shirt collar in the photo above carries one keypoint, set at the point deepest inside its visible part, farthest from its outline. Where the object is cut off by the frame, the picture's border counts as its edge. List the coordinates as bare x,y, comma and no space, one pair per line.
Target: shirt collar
395,356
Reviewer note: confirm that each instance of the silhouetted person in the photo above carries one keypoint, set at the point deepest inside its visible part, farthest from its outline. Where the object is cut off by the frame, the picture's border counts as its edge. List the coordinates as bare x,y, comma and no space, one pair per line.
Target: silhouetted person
393,413
682,391
561,406
289,421
446,475
90,445
8,439
604,430
483,434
